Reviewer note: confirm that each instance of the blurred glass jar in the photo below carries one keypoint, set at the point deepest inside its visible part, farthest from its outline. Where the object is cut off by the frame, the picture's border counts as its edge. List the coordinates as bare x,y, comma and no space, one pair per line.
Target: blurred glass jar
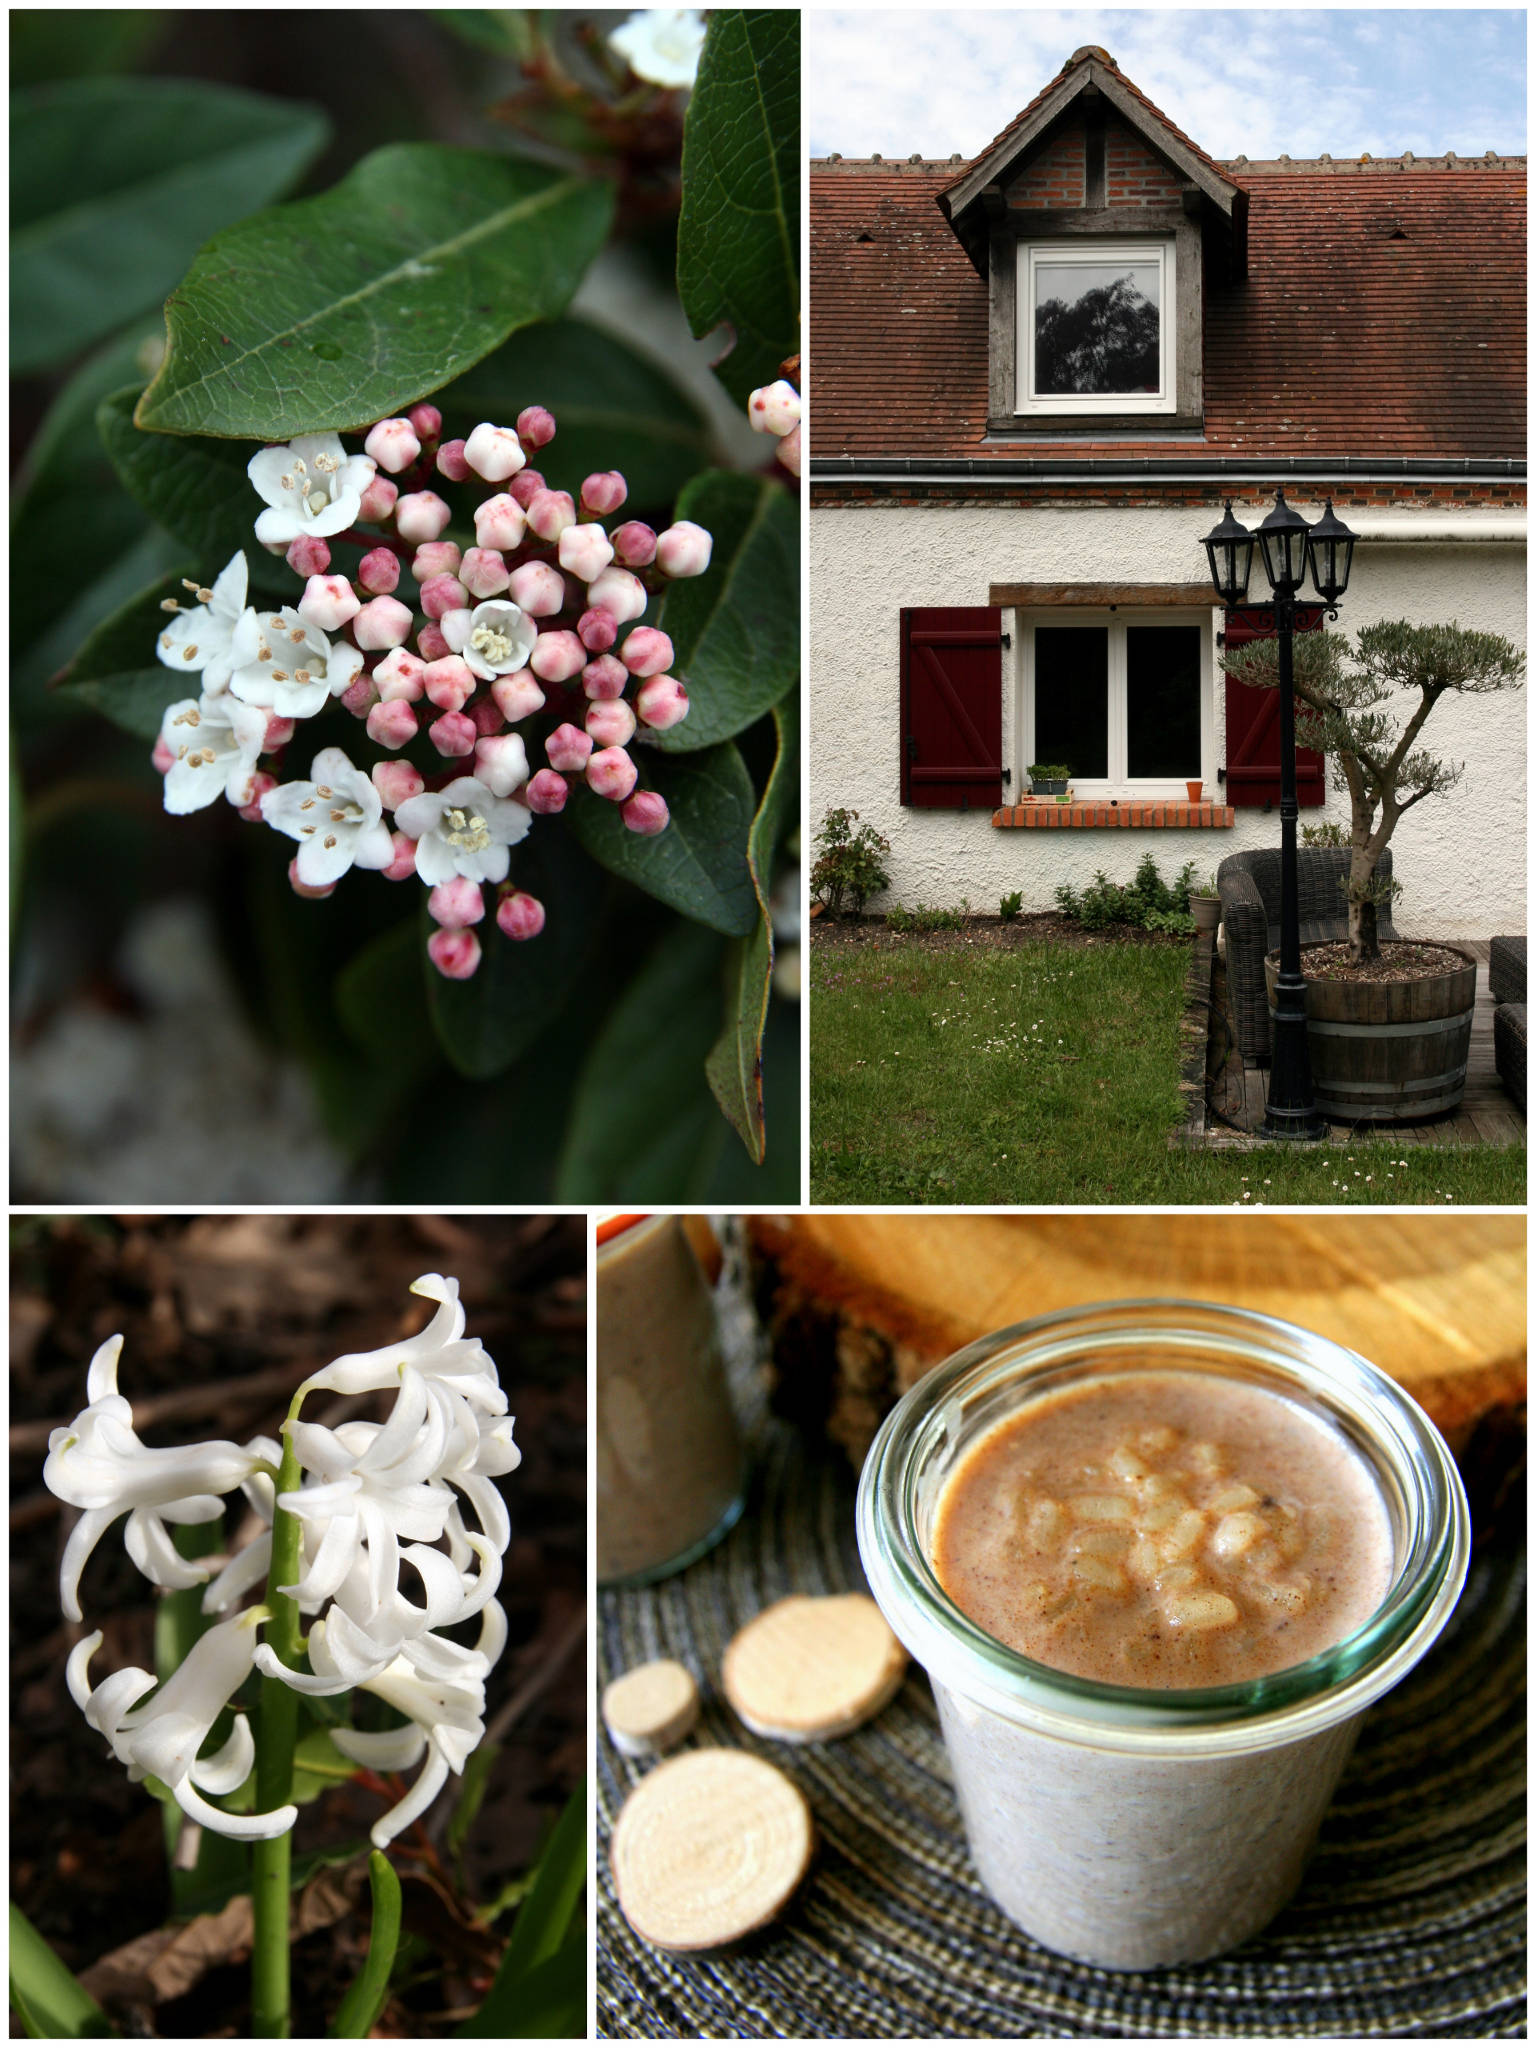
671,1469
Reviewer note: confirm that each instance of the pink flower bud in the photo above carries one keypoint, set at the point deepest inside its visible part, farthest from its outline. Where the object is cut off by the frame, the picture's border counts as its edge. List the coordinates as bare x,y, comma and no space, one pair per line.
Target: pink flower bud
546,793
525,487
617,591
379,571
396,782
683,550
662,702
535,426
451,463
494,453
605,677
382,622
647,651
487,715
568,749
634,544
303,888
393,445
517,696
483,572
399,677
501,763
421,515
403,866
454,954
309,555
432,642
163,758
360,696
328,602
597,631
441,595
450,683
392,725
453,734
260,784
456,903
435,558
279,732
610,723
604,493
646,811
427,423
551,513
557,656
789,451
585,551
520,915
612,774
538,589
775,408
377,502
500,522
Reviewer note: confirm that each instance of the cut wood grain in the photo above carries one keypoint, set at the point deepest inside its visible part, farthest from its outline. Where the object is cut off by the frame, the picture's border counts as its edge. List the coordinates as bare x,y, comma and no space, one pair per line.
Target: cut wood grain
650,1709
806,1669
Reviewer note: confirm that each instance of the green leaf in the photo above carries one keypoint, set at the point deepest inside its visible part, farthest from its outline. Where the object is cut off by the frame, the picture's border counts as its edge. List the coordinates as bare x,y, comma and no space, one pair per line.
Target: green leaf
336,311
505,31
735,1064
153,554
616,409
698,865
550,2002
643,1127
387,980
110,672
487,1022
116,182
476,1776
738,235
54,2005
540,1934
735,630
46,42
364,2002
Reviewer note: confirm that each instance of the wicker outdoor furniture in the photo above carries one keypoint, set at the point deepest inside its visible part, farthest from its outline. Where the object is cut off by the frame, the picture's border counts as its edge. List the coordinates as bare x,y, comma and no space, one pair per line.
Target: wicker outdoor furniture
1506,979
1506,969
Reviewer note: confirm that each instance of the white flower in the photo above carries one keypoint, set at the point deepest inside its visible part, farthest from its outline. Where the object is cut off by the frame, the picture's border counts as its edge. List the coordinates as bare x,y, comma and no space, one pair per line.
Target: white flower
662,44
294,670
311,485
338,820
462,830
99,1465
495,639
162,1739
215,742
217,636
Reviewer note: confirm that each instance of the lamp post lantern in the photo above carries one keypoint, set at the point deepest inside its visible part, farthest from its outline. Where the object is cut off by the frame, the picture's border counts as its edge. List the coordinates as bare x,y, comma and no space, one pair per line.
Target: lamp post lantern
1288,545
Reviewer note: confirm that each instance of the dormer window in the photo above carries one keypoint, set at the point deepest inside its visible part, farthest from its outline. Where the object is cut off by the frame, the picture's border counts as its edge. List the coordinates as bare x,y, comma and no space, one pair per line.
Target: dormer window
1095,327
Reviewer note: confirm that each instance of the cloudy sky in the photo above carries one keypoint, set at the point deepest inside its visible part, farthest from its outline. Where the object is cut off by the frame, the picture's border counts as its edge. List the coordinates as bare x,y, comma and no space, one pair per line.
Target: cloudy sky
1353,79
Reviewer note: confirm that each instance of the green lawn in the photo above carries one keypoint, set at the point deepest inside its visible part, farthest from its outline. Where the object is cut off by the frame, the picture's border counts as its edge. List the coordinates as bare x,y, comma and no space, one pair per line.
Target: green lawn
1048,1073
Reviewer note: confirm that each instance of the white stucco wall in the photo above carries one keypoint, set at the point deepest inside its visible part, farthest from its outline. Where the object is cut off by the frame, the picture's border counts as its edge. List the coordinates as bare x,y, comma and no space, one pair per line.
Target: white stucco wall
1461,859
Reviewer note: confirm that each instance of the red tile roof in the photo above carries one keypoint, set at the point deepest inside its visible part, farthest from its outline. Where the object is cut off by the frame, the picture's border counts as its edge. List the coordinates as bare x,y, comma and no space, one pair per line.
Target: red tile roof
1383,315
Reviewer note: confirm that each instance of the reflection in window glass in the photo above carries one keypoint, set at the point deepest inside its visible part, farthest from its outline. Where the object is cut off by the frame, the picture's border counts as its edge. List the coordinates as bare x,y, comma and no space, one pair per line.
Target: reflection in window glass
1162,707
1097,329
1072,698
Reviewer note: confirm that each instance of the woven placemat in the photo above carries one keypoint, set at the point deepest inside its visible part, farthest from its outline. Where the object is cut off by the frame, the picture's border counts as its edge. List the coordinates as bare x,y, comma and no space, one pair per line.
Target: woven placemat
1410,1921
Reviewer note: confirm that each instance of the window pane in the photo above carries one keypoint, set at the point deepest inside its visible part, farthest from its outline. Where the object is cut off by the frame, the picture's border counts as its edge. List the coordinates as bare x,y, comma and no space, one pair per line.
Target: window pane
1072,698
1096,329
1162,712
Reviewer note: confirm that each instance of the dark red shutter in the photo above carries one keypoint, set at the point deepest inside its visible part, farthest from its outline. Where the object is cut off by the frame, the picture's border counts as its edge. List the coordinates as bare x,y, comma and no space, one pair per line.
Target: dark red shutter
952,708
1253,723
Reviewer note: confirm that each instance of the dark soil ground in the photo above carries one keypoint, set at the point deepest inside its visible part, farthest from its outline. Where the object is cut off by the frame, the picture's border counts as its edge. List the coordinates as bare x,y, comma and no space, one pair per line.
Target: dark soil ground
225,1315
990,932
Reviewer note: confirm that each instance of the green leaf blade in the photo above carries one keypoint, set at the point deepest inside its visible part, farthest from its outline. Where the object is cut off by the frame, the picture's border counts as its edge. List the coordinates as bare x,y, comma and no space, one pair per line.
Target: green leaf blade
196,488
358,2011
111,673
698,865
541,1934
53,2003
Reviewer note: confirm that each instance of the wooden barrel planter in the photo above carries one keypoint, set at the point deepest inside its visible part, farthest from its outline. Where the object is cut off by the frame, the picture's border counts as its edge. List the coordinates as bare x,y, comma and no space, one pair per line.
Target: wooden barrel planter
1385,1051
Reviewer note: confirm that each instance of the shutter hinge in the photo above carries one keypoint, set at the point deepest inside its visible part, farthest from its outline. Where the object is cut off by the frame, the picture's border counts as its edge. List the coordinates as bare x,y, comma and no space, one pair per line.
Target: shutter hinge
1007,639
1007,775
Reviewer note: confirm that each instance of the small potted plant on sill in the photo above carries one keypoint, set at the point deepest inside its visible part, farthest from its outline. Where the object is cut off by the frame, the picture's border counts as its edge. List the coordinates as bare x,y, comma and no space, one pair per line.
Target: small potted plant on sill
1205,905
1047,778
1195,790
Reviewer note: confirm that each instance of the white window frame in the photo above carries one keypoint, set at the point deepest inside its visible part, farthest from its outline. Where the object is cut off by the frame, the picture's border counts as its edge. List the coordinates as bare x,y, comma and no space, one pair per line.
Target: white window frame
1084,249
1118,783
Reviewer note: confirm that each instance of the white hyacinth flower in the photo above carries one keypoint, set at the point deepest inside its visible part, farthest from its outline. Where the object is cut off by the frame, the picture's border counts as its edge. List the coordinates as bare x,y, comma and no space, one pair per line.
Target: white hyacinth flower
495,638
338,820
662,44
162,1739
463,830
294,670
311,485
215,742
217,635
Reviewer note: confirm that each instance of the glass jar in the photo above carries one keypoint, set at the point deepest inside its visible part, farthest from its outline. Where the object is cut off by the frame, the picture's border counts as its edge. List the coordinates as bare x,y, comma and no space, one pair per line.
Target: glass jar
670,1465
1125,1827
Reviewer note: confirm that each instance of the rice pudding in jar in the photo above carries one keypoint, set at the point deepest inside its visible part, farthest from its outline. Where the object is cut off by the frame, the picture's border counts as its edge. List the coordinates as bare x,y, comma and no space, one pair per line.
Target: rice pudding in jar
1156,1558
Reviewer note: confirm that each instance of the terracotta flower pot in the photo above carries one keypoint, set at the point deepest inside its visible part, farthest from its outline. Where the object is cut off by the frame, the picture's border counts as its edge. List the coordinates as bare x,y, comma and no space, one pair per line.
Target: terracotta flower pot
1194,789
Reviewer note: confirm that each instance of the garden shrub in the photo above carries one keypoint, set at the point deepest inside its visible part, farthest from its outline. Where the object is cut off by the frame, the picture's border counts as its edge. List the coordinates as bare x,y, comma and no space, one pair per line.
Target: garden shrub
849,865
1137,902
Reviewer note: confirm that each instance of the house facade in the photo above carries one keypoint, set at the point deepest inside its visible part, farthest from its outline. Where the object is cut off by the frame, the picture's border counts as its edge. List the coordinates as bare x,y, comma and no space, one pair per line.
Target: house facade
1038,376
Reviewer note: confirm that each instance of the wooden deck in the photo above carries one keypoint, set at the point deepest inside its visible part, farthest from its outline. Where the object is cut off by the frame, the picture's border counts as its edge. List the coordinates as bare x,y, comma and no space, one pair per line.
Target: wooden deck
1234,1091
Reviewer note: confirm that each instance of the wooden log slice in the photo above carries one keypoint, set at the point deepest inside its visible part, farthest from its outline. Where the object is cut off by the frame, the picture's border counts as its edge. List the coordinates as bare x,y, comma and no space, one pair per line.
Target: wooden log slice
805,1669
649,1709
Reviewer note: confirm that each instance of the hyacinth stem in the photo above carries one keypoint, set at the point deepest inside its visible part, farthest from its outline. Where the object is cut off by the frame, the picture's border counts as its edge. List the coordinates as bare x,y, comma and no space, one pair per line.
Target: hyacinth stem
276,1733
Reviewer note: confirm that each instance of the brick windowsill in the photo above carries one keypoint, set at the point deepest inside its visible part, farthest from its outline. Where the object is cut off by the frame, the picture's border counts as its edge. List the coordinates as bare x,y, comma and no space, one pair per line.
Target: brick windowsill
1167,816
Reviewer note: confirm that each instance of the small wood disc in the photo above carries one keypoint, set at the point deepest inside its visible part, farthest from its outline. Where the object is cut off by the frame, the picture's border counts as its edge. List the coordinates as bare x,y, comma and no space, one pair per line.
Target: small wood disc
806,1669
709,1847
650,1709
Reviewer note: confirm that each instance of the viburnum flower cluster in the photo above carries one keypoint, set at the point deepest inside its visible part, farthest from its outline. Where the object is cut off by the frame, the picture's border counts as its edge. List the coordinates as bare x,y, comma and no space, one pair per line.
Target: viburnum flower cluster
388,1563
540,618
777,409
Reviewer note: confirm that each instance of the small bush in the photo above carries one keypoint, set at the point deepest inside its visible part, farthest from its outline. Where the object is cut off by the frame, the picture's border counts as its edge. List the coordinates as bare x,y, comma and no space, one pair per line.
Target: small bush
1330,833
1168,921
922,919
1137,902
1009,906
849,867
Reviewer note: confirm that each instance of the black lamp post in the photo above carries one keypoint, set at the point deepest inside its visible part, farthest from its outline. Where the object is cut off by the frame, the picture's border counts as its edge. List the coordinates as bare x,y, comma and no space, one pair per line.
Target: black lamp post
1289,545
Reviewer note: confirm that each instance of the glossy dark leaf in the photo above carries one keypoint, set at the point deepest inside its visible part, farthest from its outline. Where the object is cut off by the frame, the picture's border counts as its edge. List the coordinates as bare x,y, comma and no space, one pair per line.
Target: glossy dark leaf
504,31
735,630
53,652
115,184
111,672
738,236
336,311
698,865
